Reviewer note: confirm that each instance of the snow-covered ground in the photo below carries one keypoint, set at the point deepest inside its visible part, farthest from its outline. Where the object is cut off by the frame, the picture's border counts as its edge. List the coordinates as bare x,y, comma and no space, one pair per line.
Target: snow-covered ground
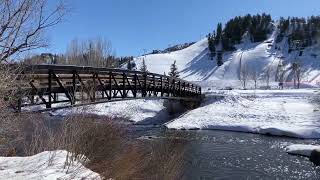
138,110
301,149
195,64
278,112
48,165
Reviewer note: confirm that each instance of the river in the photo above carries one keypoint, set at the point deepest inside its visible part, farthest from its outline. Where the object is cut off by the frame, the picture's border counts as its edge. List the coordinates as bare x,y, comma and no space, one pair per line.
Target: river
232,155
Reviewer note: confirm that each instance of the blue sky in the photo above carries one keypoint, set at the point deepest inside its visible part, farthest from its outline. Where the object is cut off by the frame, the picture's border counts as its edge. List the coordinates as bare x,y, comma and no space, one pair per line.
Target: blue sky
134,25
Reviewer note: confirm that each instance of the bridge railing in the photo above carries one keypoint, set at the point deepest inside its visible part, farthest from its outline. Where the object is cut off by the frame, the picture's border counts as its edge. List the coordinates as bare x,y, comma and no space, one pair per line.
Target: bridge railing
51,84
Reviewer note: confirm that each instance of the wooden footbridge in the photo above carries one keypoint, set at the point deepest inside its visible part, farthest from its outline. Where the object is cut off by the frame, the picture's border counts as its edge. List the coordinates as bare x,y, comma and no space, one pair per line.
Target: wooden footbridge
75,86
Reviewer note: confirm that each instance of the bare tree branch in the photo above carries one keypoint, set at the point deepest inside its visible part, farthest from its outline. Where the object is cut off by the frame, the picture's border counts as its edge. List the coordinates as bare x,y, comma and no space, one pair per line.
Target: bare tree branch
22,24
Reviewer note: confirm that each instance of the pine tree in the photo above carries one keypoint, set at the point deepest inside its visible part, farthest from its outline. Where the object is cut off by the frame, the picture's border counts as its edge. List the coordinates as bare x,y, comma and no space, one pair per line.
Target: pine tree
174,71
219,33
211,45
143,67
219,59
129,65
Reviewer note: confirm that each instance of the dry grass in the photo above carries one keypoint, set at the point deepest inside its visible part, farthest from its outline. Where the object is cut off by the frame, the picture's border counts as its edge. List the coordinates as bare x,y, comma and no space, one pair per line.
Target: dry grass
108,146
10,123
154,160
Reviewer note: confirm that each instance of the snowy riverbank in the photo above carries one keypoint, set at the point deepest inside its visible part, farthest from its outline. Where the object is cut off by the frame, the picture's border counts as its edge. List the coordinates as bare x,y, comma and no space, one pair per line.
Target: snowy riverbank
290,113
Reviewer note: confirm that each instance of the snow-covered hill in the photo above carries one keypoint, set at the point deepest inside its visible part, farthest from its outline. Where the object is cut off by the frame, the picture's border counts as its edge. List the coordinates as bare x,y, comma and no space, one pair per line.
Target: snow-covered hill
263,58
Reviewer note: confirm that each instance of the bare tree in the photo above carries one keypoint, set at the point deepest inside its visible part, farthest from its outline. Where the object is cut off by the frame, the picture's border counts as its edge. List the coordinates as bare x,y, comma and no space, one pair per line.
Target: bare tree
244,75
91,52
267,76
298,73
254,77
22,24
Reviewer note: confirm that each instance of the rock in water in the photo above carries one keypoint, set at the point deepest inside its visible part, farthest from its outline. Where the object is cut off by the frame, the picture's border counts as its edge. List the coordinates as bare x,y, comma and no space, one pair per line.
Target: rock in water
315,157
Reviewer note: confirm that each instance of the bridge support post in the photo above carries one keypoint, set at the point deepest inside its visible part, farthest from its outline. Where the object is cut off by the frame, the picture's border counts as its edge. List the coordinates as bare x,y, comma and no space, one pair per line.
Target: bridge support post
135,85
55,97
161,83
110,85
192,90
94,87
73,88
124,93
144,93
154,86
48,105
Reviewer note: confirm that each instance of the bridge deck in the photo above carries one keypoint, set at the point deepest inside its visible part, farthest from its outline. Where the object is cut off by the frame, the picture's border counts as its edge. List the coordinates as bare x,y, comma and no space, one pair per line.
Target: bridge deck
52,84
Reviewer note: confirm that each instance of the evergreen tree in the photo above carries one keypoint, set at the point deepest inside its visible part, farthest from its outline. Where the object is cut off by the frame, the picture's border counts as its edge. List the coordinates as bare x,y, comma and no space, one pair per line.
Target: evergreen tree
219,59
129,65
174,71
211,45
143,67
302,30
258,26
219,34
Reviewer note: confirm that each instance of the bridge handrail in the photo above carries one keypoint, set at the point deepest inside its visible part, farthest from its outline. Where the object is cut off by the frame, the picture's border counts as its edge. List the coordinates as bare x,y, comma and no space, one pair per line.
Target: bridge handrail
48,81
35,68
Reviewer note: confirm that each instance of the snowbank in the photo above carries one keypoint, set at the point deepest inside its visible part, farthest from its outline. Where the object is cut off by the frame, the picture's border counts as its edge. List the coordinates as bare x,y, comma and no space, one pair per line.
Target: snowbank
45,165
301,149
285,113
135,110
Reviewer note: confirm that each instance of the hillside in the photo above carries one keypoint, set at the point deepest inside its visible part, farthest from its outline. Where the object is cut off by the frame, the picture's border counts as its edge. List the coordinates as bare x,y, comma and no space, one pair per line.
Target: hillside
262,58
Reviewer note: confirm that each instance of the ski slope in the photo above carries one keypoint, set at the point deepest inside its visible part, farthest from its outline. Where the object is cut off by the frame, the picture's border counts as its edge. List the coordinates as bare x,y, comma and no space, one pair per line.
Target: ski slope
195,64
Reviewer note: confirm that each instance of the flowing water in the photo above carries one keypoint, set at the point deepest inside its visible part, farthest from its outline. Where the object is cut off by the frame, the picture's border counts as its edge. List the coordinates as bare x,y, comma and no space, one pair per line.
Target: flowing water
233,155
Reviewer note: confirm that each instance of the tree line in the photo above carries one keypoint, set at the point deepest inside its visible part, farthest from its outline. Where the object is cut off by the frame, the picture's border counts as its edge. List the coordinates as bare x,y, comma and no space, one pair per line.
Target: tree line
96,52
259,26
224,38
302,32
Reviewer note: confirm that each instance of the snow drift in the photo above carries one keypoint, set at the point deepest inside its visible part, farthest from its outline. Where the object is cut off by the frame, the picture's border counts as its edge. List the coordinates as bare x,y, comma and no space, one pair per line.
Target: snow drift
301,149
46,165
